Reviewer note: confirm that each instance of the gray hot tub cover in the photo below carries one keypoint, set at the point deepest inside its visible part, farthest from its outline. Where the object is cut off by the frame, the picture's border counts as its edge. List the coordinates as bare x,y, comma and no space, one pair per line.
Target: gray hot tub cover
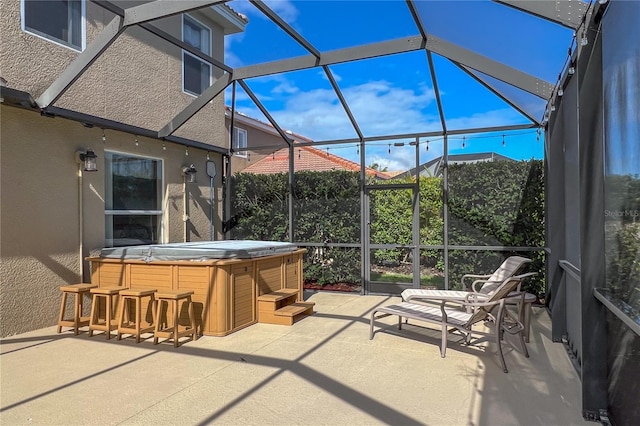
199,251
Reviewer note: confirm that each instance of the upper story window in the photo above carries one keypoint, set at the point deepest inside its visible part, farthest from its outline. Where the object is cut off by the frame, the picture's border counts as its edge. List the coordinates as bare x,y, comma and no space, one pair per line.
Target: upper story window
240,142
133,200
61,21
196,73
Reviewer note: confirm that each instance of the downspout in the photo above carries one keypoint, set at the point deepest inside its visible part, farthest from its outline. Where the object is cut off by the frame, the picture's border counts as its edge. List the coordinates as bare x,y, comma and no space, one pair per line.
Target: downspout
210,209
80,223
185,209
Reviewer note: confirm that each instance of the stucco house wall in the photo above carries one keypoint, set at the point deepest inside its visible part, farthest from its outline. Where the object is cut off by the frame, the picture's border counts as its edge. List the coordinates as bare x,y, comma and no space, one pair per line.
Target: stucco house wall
52,214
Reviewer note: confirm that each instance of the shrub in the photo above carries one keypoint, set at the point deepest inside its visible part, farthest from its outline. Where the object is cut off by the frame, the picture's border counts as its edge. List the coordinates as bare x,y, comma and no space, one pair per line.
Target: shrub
497,203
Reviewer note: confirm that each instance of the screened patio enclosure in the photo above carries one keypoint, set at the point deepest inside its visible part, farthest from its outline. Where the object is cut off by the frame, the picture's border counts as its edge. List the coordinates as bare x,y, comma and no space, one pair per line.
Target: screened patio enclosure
498,127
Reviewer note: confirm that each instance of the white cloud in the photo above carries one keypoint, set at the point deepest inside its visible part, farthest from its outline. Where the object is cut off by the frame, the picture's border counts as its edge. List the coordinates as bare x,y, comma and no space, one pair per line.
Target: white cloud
492,118
379,108
323,75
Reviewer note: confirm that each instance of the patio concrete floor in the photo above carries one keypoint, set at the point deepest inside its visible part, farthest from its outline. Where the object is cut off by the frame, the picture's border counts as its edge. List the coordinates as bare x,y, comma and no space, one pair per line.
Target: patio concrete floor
323,370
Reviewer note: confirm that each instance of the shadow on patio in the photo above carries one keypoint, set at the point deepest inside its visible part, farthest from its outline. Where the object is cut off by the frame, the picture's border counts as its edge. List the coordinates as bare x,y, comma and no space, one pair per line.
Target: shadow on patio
322,370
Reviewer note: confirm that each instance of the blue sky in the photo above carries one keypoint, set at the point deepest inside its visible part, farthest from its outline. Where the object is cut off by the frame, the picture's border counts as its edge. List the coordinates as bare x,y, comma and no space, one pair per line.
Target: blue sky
395,94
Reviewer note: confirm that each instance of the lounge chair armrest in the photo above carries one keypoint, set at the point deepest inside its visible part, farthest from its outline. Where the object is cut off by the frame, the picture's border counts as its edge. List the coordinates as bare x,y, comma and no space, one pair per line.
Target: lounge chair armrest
483,282
464,277
474,296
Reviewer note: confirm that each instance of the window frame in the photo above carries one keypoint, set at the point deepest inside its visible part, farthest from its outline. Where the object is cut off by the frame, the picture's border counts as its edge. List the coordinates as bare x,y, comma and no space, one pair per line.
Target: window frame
108,192
207,51
53,39
237,149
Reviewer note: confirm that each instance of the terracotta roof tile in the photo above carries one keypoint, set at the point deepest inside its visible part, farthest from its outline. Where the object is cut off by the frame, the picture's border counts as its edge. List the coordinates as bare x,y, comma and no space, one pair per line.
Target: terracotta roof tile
308,158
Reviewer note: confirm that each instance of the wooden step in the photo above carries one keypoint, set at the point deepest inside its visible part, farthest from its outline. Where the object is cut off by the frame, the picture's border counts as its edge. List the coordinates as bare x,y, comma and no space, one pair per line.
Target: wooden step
286,315
276,296
294,309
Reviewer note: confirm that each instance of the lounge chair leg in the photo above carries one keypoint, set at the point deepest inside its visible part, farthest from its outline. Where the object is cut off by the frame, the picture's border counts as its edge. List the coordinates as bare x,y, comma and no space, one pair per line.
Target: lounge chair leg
443,343
373,314
499,331
399,323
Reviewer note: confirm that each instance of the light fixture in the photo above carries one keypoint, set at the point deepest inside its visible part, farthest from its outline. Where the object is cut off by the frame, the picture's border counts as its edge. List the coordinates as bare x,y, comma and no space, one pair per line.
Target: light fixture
584,40
560,92
136,141
503,143
186,152
89,159
189,172
104,137
571,70
164,146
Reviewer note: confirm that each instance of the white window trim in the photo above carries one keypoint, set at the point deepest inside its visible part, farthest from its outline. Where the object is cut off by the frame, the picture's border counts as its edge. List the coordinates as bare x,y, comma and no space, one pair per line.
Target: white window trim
184,52
242,154
160,213
43,36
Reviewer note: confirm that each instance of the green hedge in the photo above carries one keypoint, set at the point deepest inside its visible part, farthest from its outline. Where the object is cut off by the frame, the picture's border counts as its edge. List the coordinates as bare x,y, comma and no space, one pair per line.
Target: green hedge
499,203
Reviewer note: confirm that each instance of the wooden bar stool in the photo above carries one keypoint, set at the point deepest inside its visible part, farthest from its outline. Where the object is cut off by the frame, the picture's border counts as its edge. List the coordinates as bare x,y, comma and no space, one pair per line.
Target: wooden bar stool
110,296
134,326
79,291
171,331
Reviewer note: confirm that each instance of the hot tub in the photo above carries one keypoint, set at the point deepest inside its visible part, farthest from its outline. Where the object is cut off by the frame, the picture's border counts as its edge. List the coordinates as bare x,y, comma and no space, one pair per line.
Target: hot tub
227,277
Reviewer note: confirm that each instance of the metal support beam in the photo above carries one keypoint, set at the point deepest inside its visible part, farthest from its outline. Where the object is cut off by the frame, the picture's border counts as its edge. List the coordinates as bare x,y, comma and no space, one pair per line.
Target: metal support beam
162,8
416,18
81,63
192,109
285,27
407,44
184,46
436,90
424,134
345,106
569,13
517,78
374,50
166,36
273,122
499,94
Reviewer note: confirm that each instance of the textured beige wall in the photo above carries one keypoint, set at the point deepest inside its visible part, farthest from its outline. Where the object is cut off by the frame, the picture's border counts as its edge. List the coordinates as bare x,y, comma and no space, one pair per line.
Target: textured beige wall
39,212
137,80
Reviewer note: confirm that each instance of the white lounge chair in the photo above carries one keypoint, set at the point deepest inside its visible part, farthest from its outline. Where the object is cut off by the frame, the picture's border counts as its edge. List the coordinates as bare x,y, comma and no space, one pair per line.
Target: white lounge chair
482,286
462,315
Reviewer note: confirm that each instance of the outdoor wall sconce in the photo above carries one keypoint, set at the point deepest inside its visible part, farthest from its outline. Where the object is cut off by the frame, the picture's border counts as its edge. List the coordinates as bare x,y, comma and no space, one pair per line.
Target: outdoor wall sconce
189,172
89,158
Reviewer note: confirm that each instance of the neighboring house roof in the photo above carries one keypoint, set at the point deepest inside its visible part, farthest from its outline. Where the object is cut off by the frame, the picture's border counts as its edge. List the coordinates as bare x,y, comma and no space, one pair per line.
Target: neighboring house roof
307,158
434,167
